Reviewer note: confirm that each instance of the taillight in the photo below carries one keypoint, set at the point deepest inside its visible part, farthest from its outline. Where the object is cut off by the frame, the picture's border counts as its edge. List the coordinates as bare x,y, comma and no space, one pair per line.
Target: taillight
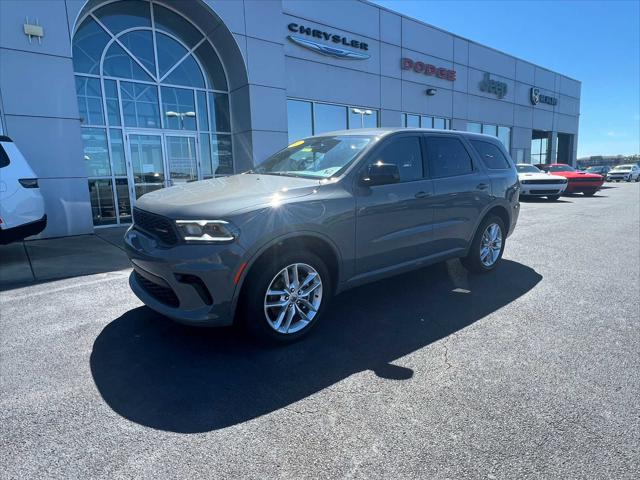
29,182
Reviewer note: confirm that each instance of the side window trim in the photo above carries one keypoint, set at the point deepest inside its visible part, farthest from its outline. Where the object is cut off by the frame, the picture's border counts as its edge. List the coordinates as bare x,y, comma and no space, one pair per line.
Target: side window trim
475,168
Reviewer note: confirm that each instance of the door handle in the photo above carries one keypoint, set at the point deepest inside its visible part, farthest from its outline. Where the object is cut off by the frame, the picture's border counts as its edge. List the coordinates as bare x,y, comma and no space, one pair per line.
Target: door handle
482,186
422,194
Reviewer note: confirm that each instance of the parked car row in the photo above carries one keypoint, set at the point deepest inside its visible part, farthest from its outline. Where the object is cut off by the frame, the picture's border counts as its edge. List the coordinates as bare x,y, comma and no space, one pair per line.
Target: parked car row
552,180
629,173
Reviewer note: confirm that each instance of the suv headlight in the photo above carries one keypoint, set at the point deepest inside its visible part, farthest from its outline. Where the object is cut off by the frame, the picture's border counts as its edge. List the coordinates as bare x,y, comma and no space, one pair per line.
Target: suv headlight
206,230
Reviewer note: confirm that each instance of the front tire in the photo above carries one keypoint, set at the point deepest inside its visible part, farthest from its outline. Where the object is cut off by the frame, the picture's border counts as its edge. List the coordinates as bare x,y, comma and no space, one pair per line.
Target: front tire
487,246
553,198
286,296
589,193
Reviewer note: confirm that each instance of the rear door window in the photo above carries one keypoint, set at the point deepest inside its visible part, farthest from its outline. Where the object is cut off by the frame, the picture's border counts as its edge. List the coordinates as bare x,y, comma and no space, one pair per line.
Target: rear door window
405,152
491,155
447,157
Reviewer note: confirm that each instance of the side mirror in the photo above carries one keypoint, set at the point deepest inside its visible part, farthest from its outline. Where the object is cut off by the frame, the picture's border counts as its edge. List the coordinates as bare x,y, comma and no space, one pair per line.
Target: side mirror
380,174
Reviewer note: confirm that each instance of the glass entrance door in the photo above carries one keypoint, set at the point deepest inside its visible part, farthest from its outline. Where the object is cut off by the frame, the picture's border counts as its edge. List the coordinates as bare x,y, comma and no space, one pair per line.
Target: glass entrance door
161,160
182,165
147,162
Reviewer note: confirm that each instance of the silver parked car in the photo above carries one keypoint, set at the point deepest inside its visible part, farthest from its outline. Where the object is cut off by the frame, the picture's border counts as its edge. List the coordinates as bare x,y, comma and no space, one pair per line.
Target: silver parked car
270,247
630,173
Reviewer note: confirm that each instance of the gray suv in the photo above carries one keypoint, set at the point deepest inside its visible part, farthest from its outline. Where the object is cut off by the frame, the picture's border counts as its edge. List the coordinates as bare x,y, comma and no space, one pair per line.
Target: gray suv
270,247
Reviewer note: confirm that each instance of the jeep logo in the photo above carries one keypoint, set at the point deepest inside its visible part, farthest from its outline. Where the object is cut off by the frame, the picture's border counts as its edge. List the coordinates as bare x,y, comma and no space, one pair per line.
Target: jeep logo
493,86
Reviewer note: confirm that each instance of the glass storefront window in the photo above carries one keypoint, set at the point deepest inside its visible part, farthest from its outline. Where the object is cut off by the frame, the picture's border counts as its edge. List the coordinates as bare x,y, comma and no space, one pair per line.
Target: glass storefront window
205,156
103,207
118,63
504,135
490,130
203,117
367,119
219,112
140,43
124,202
117,152
113,103
96,152
140,105
411,121
299,119
221,154
89,100
328,118
474,127
178,108
426,122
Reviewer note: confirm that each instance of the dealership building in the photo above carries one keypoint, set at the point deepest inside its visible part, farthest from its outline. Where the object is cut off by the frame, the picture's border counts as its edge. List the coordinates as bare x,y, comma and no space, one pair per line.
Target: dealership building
111,99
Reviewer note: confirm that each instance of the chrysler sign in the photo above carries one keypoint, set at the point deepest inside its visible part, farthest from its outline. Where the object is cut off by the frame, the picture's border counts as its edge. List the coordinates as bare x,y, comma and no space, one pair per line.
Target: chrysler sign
324,49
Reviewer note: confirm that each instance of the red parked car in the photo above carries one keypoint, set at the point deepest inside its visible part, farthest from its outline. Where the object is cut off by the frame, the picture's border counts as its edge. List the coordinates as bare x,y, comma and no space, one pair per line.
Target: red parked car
587,183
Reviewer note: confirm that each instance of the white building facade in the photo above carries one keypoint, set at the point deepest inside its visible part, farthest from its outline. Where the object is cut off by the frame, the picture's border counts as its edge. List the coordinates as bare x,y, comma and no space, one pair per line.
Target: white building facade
111,99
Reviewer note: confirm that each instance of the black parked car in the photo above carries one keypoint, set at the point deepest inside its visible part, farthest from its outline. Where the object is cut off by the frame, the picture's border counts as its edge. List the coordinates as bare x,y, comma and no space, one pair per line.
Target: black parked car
600,170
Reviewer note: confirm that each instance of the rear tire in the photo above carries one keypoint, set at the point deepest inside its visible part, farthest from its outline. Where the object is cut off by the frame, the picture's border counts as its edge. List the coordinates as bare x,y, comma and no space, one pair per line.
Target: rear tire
589,193
294,317
553,198
476,259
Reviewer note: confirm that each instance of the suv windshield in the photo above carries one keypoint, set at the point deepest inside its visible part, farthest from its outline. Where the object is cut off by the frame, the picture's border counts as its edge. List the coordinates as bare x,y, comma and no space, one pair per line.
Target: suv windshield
622,167
561,168
316,157
527,169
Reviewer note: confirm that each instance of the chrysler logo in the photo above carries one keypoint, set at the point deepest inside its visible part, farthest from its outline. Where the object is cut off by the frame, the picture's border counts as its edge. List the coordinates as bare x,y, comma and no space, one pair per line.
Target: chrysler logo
327,50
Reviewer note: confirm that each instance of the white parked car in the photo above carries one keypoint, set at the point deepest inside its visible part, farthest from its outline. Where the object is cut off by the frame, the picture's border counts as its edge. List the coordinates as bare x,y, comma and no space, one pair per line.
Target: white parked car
536,183
21,204
630,173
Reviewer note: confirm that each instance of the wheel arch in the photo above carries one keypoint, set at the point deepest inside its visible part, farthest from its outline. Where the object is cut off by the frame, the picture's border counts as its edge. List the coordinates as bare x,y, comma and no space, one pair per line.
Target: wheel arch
314,242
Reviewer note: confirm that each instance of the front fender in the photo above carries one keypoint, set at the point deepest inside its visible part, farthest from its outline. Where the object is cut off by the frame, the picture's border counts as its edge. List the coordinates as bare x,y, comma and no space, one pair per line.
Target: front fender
252,256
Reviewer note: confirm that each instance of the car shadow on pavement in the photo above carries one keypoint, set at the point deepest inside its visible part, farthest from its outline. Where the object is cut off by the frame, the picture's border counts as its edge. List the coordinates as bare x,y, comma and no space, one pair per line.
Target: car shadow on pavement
163,375
543,200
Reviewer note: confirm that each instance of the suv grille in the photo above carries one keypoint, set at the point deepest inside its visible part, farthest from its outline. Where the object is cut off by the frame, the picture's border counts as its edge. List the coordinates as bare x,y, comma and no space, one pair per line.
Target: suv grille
159,292
160,227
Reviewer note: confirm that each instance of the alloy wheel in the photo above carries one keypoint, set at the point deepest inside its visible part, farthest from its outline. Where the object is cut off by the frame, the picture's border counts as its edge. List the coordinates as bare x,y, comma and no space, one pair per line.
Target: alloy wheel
491,245
293,298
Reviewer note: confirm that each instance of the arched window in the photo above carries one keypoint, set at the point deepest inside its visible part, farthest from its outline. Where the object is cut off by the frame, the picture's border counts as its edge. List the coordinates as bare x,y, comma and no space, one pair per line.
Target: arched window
153,101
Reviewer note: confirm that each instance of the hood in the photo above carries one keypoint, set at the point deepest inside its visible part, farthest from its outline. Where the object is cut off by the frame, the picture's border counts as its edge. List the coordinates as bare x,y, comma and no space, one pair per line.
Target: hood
595,176
534,176
219,197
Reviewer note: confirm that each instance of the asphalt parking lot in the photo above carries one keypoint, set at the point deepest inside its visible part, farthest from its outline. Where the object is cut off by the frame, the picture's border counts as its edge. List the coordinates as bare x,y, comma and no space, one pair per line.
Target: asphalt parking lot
530,371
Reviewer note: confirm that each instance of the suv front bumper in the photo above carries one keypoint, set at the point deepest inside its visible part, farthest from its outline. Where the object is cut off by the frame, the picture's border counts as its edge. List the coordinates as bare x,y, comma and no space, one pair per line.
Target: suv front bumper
193,284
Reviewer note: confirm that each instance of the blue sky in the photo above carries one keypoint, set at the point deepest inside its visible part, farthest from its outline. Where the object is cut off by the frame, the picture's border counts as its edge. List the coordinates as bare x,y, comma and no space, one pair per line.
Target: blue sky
596,42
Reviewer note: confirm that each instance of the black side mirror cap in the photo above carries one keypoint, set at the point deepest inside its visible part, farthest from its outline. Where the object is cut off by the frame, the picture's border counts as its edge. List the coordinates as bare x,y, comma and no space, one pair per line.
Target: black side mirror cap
380,174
